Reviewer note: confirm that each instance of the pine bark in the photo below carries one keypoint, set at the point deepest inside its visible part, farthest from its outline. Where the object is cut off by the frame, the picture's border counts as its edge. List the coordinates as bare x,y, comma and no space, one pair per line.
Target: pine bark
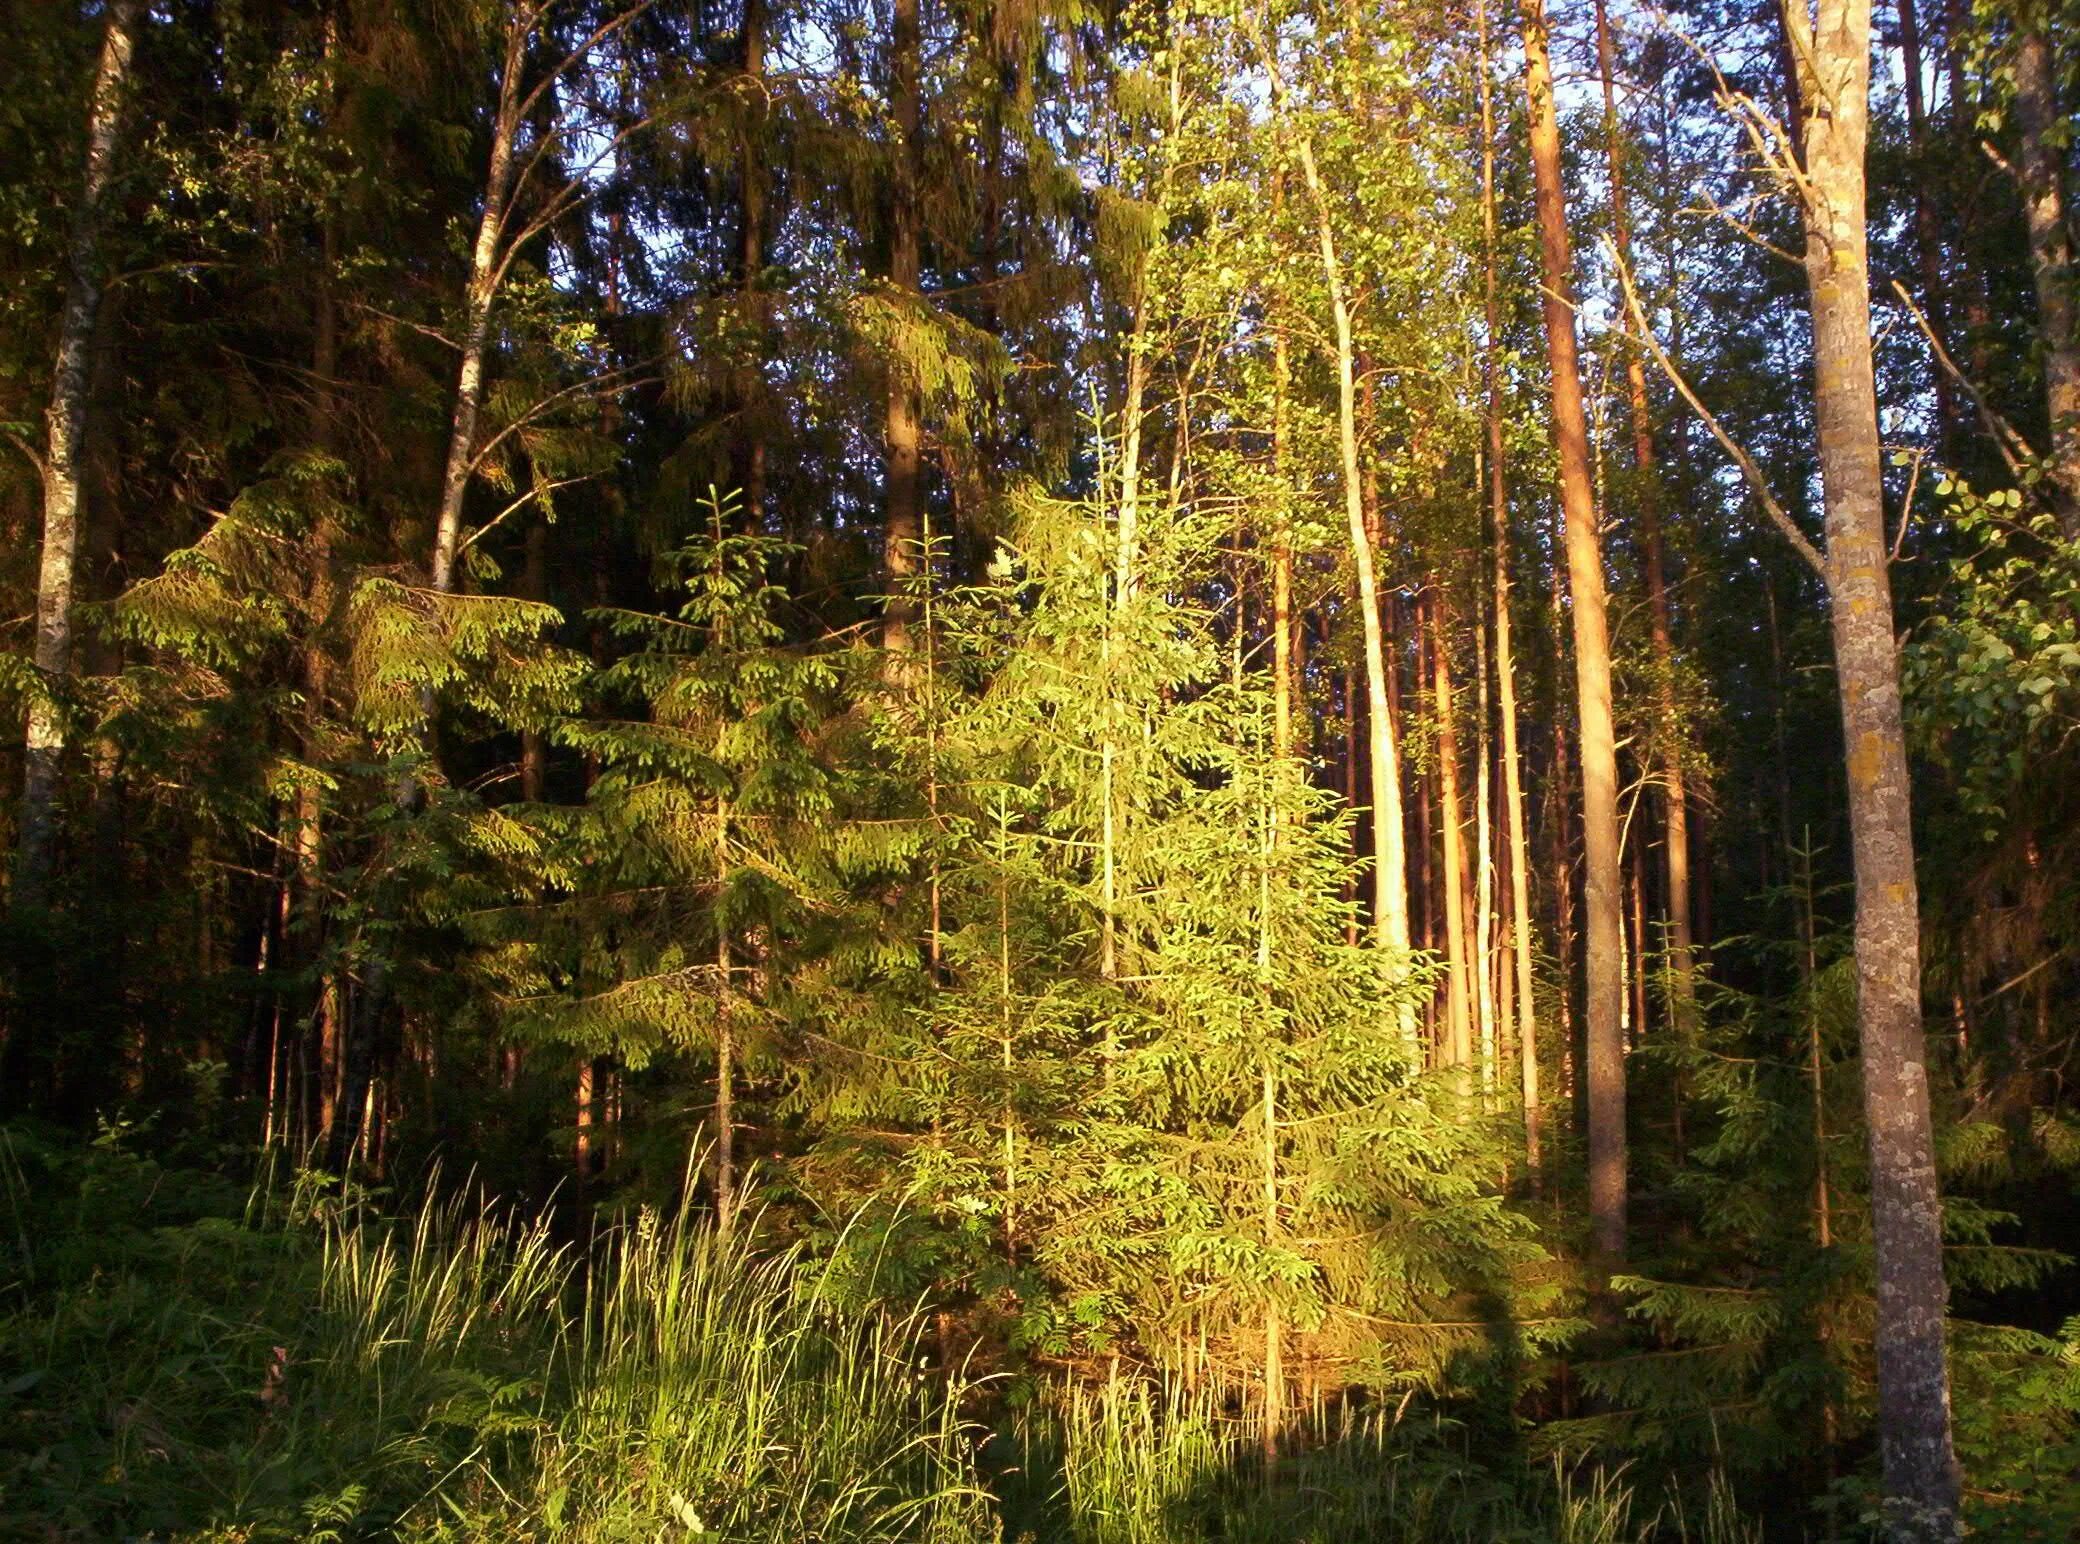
1920,1467
902,437
1675,797
1605,1046
322,602
65,452
751,260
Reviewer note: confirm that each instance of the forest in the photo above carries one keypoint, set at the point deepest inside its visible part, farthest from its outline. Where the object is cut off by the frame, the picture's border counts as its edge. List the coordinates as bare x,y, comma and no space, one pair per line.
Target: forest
1039,771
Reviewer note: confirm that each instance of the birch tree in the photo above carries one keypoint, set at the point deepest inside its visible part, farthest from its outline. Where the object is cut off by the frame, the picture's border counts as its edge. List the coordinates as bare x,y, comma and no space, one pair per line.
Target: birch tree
66,419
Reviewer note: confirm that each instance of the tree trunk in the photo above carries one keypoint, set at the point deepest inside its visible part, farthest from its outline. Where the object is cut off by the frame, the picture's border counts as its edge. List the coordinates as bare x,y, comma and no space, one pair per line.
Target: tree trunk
1505,662
1675,798
1559,805
1605,1002
2038,114
725,1084
1458,999
44,742
1483,932
1390,871
484,273
1921,1475
322,602
581,1133
1282,537
751,259
903,463
1350,798
534,584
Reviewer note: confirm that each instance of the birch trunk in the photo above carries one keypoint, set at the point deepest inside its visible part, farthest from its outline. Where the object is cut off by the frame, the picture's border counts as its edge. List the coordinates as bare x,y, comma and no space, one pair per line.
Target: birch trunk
484,275
1390,872
66,418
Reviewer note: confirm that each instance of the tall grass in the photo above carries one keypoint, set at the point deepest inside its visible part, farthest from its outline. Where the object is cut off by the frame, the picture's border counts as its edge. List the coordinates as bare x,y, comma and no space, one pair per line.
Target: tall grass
1142,1462
312,1372
725,1393
177,1366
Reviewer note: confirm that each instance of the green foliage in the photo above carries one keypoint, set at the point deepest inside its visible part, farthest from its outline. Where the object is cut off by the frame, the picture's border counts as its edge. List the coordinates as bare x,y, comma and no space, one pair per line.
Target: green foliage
1994,674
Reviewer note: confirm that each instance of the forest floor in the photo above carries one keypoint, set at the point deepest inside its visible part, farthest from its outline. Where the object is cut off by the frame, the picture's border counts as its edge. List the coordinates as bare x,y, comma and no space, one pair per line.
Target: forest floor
186,1357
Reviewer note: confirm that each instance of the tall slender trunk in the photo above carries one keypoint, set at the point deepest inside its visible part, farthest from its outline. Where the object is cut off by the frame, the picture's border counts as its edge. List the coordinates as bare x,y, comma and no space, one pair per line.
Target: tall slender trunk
66,419
1390,872
1638,943
1458,997
1920,1465
2040,117
1005,1023
1274,1332
1125,554
751,259
1483,862
1675,798
308,837
581,1136
1560,809
482,290
534,585
1605,1042
1282,537
725,1047
1422,912
1505,661
1350,795
903,462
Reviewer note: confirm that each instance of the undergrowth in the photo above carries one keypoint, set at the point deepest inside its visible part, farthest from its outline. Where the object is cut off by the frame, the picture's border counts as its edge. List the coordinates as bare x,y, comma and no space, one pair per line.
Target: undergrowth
183,1359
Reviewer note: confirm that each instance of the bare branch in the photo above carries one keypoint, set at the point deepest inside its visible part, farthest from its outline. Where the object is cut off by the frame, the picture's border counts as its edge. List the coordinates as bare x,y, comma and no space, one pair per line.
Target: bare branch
1906,510
1749,470
600,34
538,491
2006,438
592,385
42,470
